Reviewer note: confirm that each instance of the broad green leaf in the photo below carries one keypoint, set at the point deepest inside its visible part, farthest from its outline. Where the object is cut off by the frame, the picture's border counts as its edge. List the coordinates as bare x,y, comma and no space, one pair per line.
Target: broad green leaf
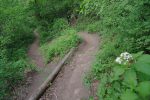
135,56
144,58
143,64
130,78
129,95
143,67
143,77
118,70
144,88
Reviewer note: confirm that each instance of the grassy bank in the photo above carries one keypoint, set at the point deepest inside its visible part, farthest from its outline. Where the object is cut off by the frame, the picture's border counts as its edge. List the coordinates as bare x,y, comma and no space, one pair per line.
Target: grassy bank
60,45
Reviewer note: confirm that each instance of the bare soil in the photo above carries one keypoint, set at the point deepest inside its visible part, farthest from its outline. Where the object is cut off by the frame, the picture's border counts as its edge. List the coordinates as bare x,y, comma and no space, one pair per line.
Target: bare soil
68,85
34,53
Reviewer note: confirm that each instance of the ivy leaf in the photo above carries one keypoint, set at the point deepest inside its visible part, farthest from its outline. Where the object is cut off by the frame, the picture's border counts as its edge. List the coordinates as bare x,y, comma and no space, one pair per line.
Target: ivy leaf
143,64
144,88
130,78
129,95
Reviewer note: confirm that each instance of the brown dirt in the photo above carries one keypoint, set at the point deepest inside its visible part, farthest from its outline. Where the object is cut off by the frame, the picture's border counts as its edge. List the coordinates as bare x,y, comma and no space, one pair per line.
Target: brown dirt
34,53
68,85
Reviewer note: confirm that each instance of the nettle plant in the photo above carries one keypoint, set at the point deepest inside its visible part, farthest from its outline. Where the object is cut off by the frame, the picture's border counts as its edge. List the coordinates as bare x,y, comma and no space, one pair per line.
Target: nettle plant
132,74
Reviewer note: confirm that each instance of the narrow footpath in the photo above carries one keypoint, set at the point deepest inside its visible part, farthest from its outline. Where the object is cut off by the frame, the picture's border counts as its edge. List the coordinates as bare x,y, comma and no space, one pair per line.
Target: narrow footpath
68,85
34,52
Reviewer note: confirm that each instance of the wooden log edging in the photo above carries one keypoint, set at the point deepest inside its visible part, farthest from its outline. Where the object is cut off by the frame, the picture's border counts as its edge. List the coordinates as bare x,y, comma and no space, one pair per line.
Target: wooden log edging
46,83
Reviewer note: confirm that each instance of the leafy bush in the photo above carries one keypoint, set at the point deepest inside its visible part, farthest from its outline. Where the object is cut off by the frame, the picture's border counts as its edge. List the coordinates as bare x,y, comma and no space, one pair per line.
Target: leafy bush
10,74
18,18
15,30
130,19
126,81
54,30
60,45
124,26
88,24
16,25
94,27
48,10
60,24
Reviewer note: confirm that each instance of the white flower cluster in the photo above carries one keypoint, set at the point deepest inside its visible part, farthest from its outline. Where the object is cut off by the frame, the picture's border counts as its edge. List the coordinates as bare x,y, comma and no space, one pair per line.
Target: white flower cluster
124,58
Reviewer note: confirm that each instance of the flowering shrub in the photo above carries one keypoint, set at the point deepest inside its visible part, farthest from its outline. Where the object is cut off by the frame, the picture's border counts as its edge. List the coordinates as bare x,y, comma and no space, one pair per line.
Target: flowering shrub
124,58
128,79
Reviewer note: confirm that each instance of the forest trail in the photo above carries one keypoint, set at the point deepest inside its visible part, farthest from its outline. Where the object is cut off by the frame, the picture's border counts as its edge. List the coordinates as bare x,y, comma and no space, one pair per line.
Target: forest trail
34,52
38,77
68,85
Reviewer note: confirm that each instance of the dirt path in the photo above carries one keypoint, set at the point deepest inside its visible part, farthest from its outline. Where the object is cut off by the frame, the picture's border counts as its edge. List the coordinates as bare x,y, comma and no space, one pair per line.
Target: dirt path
69,83
34,53
35,79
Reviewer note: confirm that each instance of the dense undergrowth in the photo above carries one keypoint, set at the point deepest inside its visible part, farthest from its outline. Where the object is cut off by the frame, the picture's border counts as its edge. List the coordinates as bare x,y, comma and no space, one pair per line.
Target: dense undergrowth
53,31
124,26
16,27
18,20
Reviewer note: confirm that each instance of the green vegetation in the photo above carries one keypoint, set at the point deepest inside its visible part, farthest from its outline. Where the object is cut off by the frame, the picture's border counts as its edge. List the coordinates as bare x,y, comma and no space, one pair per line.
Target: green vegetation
16,27
48,10
18,20
54,30
60,45
124,26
